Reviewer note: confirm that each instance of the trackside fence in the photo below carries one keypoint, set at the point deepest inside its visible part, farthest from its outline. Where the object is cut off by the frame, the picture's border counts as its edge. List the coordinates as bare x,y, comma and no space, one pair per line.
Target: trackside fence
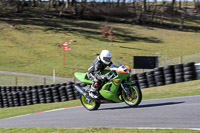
182,59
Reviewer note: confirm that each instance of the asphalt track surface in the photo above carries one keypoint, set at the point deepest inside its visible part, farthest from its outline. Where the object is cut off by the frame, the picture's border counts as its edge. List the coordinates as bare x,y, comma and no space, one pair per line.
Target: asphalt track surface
182,112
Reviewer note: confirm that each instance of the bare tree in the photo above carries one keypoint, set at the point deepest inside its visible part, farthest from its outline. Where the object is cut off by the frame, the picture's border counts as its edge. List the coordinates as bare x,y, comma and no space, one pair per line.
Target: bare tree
63,6
173,2
34,3
38,2
83,6
118,2
145,5
180,4
124,2
67,4
51,3
73,2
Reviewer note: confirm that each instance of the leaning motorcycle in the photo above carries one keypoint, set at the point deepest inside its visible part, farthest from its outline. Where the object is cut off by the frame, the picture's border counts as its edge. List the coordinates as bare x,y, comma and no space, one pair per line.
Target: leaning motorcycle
116,88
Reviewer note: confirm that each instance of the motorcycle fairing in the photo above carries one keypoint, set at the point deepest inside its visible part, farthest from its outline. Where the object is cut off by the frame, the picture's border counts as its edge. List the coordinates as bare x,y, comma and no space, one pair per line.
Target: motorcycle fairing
82,78
130,83
110,89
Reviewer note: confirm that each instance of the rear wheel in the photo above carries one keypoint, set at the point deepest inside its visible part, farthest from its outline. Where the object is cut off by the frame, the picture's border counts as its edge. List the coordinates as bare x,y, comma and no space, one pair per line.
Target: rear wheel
134,98
89,104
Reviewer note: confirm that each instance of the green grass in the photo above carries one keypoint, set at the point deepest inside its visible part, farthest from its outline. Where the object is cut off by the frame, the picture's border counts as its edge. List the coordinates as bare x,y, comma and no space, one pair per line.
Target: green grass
175,90
94,130
30,44
15,111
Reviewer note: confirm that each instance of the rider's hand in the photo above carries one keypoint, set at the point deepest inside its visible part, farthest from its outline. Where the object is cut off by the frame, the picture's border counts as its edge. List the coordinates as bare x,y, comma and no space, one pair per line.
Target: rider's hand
103,77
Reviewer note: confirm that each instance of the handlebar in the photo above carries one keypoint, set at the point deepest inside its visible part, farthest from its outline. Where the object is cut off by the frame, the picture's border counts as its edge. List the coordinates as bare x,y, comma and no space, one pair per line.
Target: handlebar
110,75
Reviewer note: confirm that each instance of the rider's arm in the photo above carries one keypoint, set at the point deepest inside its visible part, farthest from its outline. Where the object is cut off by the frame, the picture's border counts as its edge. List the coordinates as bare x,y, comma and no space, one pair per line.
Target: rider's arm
97,70
110,64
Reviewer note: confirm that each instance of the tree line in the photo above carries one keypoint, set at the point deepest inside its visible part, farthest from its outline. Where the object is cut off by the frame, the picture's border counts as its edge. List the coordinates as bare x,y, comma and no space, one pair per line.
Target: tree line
141,11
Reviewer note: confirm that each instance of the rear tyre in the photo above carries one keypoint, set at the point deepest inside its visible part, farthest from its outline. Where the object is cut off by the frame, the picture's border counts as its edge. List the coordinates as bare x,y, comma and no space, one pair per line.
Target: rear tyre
134,98
89,104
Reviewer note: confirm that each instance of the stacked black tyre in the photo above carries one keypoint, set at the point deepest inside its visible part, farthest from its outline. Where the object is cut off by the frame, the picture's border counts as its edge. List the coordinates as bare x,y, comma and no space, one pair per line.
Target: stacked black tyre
1,102
142,80
70,91
22,98
159,76
63,93
134,78
178,72
15,95
28,95
151,79
48,95
41,95
189,71
4,97
10,99
35,96
56,95
169,75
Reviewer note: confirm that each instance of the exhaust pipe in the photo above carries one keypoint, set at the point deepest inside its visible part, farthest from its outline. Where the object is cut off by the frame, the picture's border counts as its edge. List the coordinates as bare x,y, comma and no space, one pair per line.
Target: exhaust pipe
81,90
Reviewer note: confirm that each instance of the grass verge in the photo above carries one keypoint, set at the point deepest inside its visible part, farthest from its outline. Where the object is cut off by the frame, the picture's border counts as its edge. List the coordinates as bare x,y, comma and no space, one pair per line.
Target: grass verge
30,45
175,90
94,130
190,88
15,111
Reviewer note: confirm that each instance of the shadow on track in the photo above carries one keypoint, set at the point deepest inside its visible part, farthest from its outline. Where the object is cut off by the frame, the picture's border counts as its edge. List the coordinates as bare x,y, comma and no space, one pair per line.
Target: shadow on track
144,106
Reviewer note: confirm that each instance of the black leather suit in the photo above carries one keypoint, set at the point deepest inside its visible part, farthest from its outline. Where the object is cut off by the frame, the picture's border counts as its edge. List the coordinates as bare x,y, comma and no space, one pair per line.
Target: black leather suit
94,70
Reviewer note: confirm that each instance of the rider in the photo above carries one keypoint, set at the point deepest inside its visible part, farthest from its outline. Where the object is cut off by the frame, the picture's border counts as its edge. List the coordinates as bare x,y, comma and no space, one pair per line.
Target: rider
93,73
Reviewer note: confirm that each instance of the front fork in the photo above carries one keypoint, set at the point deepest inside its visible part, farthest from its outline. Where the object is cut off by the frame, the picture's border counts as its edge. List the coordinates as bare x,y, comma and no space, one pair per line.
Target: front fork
126,89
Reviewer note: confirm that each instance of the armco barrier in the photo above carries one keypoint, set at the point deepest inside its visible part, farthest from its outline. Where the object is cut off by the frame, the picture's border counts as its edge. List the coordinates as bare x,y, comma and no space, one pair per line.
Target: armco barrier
167,75
14,96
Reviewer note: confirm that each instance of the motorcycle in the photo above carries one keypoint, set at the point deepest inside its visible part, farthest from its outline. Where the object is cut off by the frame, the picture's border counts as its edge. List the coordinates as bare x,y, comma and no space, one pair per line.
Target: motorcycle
116,88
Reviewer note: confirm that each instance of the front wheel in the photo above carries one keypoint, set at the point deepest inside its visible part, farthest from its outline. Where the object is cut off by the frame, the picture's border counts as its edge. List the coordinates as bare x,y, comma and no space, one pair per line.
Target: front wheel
134,98
89,104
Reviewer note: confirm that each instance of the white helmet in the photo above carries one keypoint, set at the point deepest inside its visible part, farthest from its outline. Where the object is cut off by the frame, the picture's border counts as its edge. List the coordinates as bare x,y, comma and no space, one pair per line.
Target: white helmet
105,56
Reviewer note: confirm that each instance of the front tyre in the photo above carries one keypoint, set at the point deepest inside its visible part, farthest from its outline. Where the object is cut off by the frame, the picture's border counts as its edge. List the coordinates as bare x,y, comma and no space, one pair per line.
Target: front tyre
134,98
89,104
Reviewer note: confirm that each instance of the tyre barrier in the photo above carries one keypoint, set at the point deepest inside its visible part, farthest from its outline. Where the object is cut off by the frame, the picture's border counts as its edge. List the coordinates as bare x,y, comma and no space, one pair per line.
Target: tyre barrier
179,73
142,80
167,75
14,96
151,79
159,76
134,78
189,71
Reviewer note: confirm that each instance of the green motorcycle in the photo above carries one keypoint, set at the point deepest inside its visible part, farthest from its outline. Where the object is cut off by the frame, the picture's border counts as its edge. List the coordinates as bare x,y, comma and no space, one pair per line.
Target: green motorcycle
117,88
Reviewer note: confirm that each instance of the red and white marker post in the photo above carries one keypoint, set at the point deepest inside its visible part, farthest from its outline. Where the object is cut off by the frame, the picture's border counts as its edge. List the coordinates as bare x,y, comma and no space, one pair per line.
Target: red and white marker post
65,47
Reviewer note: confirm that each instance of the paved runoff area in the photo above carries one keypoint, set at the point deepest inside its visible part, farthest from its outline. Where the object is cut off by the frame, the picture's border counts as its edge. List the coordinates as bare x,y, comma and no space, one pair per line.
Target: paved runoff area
182,112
